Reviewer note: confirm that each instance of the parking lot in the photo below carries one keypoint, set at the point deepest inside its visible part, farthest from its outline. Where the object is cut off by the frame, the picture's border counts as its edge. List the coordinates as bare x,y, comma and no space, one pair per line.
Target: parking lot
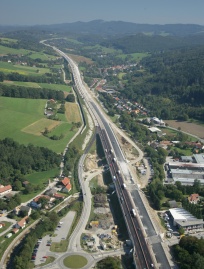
42,249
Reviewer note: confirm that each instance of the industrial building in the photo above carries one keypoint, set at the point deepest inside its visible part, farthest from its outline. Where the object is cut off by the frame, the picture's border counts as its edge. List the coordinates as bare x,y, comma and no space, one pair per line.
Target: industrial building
187,170
184,219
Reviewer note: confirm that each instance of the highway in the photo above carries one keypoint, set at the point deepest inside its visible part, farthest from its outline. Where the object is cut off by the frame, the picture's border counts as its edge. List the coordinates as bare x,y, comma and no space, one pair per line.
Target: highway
120,174
109,141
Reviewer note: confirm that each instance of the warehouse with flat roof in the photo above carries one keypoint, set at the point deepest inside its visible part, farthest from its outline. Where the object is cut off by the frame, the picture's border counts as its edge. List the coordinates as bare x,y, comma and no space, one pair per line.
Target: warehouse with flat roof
183,218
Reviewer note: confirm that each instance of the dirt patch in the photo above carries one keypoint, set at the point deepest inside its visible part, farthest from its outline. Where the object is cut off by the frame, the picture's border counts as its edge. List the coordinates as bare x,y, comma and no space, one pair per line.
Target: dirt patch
90,131
129,151
188,127
78,59
39,126
91,162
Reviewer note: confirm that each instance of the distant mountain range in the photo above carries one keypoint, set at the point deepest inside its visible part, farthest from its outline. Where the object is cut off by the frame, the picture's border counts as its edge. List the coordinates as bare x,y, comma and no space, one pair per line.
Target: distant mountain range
114,28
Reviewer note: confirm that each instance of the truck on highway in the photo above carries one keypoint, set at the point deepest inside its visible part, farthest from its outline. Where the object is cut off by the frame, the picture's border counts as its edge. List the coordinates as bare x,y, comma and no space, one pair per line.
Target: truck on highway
124,186
132,212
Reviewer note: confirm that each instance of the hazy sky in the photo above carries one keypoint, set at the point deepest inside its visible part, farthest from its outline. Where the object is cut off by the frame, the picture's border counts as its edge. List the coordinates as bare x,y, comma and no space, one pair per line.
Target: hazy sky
31,12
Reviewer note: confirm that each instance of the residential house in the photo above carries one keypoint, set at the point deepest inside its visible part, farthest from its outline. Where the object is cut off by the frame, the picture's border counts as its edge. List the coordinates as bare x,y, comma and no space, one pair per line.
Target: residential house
25,183
16,210
5,189
164,144
15,230
193,198
58,196
36,199
66,185
21,224
35,205
26,209
2,225
51,192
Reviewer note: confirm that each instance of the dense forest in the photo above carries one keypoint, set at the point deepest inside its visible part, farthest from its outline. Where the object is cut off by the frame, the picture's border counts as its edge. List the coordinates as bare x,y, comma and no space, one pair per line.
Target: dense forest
17,160
170,84
189,253
152,43
29,92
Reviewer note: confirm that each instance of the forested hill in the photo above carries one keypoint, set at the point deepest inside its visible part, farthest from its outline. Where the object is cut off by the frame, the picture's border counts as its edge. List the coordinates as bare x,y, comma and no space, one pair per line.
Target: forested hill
171,84
113,28
151,43
123,28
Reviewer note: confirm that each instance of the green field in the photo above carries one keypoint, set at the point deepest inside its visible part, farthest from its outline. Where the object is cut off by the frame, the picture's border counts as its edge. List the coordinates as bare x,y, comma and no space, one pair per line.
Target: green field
17,116
31,54
42,56
8,40
42,177
7,50
75,261
57,87
121,75
21,83
23,70
135,56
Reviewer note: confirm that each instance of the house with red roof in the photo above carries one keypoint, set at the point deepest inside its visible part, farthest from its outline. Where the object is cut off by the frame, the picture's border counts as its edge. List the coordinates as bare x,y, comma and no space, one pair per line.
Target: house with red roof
5,189
67,186
193,198
41,196
21,224
58,196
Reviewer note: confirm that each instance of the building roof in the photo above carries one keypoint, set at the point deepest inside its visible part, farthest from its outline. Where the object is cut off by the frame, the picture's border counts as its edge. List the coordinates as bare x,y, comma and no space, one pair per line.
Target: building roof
41,196
68,187
173,204
190,223
187,158
193,197
65,181
199,158
154,129
22,222
58,195
5,188
181,214
25,208
186,165
187,181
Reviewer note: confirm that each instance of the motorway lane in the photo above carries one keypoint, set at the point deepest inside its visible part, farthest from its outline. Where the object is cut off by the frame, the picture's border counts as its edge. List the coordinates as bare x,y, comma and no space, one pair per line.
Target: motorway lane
115,146
143,257
146,221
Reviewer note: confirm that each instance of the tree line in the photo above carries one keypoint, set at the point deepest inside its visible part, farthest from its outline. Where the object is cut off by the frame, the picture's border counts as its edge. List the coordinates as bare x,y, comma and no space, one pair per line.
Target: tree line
189,253
17,160
45,78
30,92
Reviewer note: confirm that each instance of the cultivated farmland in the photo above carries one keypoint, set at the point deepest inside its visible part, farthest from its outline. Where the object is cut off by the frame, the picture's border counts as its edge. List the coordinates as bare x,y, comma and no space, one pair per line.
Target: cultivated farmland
17,117
72,112
23,70
188,127
57,87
